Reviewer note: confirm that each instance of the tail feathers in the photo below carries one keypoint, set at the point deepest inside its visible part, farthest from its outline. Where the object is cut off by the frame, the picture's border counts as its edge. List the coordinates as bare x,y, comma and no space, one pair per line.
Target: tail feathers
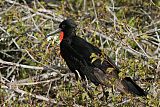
132,87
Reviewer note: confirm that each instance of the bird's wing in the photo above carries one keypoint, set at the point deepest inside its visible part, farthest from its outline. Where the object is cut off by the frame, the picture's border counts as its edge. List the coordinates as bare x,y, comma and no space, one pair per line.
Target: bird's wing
76,62
85,49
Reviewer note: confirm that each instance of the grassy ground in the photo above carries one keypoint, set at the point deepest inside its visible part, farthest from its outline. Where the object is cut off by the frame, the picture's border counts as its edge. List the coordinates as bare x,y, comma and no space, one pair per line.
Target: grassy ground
32,73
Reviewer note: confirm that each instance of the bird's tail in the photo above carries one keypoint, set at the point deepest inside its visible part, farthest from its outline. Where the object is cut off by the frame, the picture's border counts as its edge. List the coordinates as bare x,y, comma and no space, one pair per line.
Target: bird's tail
132,87
125,85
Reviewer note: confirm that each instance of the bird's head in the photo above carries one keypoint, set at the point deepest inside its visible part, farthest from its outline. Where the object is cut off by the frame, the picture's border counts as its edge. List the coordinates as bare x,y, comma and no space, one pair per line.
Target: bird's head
66,28
67,24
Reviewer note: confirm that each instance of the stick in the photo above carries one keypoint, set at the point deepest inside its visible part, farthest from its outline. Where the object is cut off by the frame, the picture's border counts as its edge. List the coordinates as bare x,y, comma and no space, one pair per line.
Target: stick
21,65
30,94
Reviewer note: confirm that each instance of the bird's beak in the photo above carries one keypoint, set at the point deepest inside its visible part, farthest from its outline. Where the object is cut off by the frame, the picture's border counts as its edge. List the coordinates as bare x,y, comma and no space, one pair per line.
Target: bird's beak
54,32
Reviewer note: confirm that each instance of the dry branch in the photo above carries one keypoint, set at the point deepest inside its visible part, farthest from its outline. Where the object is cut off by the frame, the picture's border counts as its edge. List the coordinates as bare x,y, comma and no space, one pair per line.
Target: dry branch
30,94
21,65
35,78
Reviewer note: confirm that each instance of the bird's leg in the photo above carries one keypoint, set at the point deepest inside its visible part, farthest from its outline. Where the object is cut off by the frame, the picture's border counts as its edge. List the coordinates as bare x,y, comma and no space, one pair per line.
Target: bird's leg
87,88
77,75
104,95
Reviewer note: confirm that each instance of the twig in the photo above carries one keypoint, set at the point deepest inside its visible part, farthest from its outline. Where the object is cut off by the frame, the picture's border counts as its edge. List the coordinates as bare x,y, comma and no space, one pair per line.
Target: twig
116,59
50,85
33,83
32,57
21,65
95,12
14,67
8,9
33,67
157,71
25,18
84,5
100,34
131,34
58,19
123,102
30,94
7,54
34,78
5,31
122,44
149,31
113,13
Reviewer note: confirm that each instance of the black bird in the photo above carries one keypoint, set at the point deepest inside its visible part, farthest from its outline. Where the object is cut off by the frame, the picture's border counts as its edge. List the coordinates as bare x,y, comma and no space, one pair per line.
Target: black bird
77,53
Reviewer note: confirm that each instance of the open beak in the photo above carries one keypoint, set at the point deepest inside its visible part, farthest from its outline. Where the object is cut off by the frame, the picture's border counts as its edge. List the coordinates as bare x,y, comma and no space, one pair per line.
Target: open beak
54,32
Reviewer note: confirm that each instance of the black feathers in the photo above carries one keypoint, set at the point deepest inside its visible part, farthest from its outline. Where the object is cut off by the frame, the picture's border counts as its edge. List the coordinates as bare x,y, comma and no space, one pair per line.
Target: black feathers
76,52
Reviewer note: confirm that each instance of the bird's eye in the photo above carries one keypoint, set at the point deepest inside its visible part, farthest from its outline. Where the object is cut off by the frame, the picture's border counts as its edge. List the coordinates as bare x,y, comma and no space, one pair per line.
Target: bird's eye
63,26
